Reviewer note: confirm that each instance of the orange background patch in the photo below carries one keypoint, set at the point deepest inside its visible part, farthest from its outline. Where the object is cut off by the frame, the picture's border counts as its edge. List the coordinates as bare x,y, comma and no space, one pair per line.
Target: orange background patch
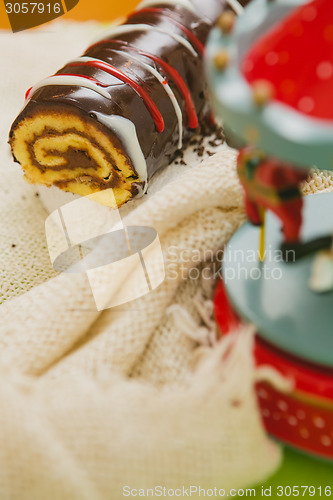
99,10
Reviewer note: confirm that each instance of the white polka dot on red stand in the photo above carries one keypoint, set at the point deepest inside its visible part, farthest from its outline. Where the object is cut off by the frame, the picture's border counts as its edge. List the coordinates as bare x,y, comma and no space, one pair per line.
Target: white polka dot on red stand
326,441
309,14
324,70
292,421
301,414
319,423
282,405
271,58
306,104
262,393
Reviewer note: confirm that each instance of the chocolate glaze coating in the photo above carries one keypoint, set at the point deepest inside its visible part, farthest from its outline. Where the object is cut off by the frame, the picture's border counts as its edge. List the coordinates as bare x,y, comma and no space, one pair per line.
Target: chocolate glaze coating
158,148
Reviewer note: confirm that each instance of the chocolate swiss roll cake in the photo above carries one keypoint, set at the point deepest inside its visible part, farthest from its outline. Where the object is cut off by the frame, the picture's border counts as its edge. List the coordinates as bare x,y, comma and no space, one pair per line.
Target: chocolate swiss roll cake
114,116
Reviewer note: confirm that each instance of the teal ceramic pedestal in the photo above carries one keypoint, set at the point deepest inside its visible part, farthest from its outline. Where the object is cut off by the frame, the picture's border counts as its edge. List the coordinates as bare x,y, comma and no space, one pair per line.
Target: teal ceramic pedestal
274,295
276,298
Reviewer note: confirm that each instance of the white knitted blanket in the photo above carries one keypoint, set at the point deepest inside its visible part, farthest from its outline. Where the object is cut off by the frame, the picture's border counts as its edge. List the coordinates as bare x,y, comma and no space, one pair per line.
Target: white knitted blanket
141,395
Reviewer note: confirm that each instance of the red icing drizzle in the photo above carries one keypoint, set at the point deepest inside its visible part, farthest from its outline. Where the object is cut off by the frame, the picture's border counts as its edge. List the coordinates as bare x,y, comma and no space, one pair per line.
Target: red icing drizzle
186,31
296,56
181,85
108,68
175,76
27,93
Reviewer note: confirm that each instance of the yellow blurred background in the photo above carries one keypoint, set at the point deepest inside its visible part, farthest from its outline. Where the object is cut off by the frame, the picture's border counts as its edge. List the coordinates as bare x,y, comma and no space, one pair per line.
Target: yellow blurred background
99,10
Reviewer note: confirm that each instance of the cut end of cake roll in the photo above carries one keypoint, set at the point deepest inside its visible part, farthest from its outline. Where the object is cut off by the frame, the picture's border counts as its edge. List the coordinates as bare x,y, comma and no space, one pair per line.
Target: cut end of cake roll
59,147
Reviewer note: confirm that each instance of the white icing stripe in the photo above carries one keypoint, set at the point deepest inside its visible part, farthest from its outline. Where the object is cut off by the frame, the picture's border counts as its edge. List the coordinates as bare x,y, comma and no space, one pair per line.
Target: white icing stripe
187,4
126,132
71,81
127,28
167,89
236,6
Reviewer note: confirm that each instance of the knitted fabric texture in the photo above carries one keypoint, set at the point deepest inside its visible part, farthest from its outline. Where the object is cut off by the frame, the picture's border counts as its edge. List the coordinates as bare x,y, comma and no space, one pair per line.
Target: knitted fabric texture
139,395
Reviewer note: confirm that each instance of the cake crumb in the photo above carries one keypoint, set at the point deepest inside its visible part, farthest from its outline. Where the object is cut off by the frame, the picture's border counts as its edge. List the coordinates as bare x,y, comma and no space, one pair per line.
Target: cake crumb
201,151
